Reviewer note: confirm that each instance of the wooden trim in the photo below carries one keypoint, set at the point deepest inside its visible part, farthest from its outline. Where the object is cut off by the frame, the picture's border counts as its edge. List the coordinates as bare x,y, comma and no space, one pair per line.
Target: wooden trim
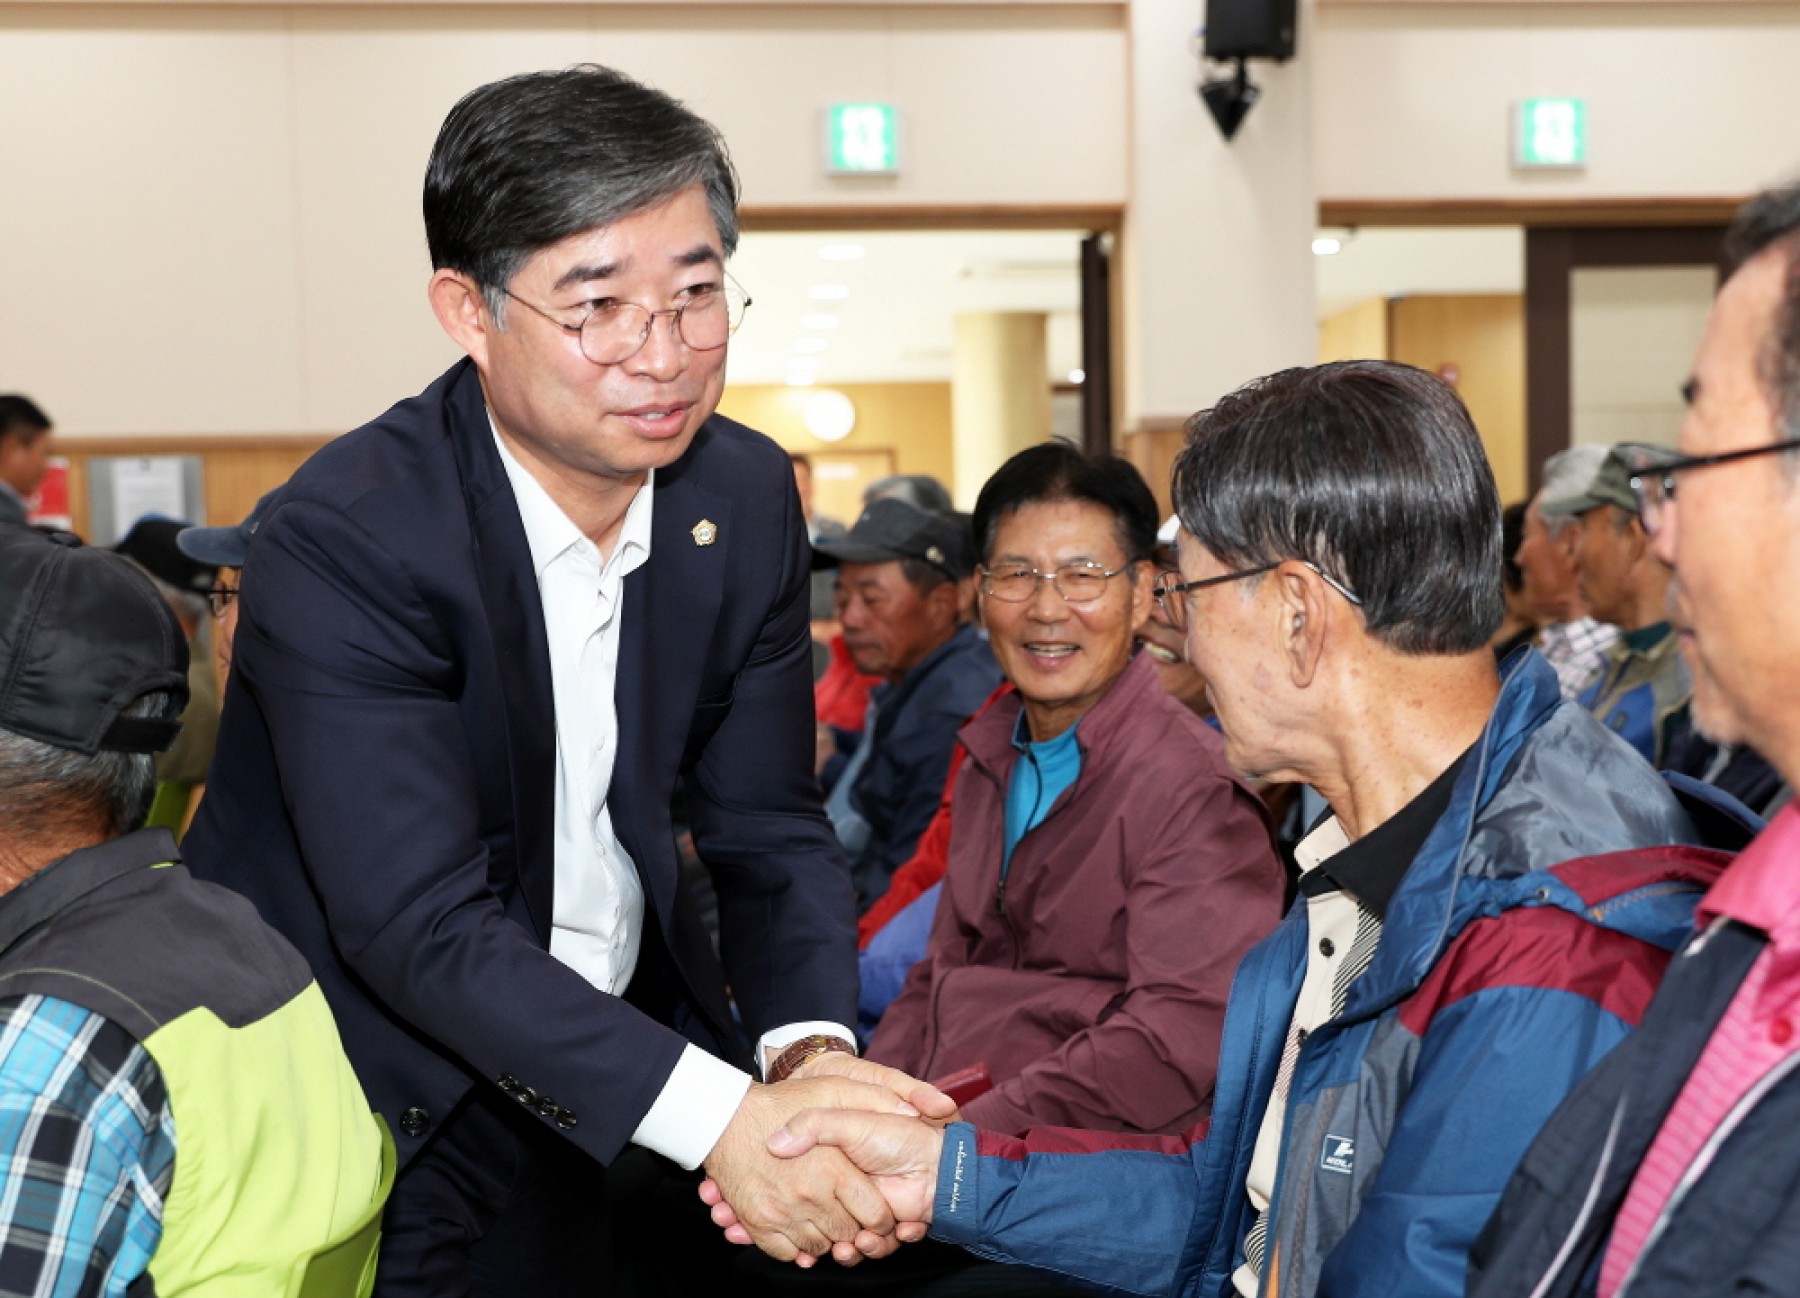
1158,424
942,216
1593,212
183,443
1549,263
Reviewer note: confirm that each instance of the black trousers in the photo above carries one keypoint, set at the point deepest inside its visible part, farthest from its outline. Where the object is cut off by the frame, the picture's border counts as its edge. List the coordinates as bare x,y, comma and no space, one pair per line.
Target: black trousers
497,1206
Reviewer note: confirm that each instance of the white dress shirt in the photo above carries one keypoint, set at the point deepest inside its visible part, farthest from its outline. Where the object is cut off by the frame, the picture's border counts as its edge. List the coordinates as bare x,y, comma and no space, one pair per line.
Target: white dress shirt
597,918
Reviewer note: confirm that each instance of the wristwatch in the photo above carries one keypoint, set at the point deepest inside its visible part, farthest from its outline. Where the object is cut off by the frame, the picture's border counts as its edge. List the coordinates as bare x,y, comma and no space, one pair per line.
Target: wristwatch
804,1051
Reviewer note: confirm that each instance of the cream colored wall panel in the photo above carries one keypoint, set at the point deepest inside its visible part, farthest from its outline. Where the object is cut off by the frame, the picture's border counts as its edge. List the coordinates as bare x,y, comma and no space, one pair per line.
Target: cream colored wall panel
371,89
1632,334
1413,100
147,238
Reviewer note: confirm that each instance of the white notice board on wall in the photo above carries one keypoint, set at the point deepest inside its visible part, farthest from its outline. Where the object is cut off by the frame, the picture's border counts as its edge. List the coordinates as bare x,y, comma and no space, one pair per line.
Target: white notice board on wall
124,488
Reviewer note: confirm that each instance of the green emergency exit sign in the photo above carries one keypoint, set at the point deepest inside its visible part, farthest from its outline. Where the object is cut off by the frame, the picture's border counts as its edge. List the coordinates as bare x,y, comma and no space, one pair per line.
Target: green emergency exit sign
862,139
1550,133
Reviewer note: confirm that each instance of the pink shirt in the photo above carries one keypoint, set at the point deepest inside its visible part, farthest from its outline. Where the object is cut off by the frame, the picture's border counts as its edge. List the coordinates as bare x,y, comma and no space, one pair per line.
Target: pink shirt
1759,889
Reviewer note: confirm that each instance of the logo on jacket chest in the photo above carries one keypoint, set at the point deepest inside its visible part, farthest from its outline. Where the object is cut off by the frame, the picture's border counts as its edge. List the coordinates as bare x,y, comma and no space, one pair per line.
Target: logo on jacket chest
1338,1155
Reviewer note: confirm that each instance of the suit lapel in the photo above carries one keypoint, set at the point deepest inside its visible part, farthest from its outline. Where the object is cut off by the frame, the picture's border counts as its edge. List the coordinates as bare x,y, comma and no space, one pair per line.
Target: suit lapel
515,625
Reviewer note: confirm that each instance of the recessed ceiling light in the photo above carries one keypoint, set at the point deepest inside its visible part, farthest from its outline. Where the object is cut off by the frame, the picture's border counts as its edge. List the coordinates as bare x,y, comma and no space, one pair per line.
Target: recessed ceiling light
800,380
841,252
1078,376
828,292
803,363
810,344
818,322
1326,246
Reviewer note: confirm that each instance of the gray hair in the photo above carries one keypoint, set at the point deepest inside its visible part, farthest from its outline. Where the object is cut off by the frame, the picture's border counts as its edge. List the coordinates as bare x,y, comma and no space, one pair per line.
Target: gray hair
42,786
525,163
1567,473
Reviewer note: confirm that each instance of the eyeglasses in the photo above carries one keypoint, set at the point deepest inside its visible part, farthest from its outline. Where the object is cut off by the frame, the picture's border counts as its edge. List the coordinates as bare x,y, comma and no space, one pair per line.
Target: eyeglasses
1077,583
617,331
1170,589
1653,470
220,597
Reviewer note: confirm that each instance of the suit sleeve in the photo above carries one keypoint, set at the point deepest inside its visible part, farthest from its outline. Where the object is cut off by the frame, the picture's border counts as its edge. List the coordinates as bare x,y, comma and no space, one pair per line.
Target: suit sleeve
1509,1021
786,914
356,681
1199,896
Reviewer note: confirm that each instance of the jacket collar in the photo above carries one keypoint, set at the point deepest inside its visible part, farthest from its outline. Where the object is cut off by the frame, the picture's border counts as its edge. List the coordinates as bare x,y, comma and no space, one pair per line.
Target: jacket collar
989,736
61,884
1513,814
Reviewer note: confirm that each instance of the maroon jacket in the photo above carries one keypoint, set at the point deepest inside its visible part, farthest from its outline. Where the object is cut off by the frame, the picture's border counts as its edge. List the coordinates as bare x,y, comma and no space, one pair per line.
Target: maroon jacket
1096,1000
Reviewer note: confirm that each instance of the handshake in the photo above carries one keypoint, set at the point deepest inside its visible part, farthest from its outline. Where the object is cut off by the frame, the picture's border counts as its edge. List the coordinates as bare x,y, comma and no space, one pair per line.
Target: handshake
840,1159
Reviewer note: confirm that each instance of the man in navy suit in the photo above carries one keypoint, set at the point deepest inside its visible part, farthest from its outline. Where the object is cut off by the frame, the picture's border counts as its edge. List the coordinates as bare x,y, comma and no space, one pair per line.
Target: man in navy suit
481,640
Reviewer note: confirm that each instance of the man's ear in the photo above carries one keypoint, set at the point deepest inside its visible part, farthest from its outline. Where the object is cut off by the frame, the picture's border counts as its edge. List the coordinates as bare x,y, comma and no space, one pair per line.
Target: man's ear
459,306
1305,613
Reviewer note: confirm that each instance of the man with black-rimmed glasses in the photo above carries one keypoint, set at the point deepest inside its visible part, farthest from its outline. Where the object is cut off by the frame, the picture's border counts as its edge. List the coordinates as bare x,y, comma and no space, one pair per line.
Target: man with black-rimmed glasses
1675,1169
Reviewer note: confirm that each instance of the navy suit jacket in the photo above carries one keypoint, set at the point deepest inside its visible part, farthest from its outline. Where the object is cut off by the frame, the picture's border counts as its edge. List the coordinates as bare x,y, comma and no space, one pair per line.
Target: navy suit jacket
384,782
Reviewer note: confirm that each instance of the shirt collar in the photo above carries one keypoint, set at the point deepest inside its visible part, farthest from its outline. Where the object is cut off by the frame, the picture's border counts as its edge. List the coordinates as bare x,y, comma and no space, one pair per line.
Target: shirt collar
1759,887
549,533
1372,868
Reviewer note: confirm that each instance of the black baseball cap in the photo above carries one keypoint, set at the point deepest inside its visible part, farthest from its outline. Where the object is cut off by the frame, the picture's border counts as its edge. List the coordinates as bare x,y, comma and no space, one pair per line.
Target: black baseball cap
152,542
84,635
227,547
891,529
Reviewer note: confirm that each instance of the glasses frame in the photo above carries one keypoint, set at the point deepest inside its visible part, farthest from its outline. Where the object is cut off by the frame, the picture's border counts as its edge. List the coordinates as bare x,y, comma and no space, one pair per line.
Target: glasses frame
580,330
1040,577
1654,482
220,597
1175,609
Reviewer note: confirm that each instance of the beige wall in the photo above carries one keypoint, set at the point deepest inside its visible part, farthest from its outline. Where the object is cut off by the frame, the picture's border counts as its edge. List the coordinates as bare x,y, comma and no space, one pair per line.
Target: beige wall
1357,332
910,419
1478,341
212,215
1632,334
1411,100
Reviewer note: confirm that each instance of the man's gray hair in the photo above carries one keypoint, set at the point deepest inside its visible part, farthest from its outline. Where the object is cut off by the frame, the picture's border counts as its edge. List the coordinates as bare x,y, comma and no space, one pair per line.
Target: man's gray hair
44,787
1567,473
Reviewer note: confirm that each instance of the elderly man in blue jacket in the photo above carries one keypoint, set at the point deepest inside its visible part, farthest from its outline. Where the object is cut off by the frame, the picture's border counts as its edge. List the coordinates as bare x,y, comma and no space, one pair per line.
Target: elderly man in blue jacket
1479,922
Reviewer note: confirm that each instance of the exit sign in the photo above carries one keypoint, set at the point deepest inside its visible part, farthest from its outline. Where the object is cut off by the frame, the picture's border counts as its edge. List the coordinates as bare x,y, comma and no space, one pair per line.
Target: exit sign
1550,133
862,140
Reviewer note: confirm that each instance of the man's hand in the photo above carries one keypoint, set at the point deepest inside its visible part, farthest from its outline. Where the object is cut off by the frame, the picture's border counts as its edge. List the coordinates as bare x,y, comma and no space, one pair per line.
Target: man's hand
932,1104
797,1210
899,1154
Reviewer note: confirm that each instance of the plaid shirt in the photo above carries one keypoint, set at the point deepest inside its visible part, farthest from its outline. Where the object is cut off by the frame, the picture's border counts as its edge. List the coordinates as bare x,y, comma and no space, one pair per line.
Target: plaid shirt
87,1151
1577,650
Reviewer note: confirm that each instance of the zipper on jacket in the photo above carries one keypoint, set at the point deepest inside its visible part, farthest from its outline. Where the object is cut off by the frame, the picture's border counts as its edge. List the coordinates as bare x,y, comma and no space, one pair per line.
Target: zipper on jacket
1649,892
1702,1162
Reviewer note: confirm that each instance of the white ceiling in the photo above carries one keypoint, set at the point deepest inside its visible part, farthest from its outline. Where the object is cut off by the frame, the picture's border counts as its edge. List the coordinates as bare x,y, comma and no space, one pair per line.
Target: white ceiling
1399,262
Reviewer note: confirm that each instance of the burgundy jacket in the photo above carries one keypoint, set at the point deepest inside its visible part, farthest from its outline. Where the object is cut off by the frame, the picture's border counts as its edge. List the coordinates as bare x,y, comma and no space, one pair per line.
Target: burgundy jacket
1096,1000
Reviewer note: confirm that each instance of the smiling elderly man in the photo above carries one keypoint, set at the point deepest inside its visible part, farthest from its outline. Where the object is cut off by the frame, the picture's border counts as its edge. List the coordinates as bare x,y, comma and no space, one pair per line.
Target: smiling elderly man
1675,1169
1459,959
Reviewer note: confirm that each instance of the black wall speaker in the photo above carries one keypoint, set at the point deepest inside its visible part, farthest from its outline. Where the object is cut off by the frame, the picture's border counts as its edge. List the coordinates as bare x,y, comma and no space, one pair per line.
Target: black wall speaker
1250,29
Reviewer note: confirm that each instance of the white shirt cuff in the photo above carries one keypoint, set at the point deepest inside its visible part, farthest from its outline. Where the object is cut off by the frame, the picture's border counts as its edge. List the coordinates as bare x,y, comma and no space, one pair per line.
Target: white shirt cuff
775,1040
694,1108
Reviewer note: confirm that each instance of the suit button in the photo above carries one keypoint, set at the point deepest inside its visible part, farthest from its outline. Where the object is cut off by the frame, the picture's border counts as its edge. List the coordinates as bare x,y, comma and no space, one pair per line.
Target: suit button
526,1096
415,1121
566,1120
508,1083
548,1107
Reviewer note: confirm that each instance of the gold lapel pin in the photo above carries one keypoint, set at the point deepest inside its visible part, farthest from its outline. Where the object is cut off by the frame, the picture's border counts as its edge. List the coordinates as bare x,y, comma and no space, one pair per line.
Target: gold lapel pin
705,533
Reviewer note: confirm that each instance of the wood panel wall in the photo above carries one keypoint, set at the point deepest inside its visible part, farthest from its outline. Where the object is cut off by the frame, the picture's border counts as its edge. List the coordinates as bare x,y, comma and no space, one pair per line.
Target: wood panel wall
236,471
